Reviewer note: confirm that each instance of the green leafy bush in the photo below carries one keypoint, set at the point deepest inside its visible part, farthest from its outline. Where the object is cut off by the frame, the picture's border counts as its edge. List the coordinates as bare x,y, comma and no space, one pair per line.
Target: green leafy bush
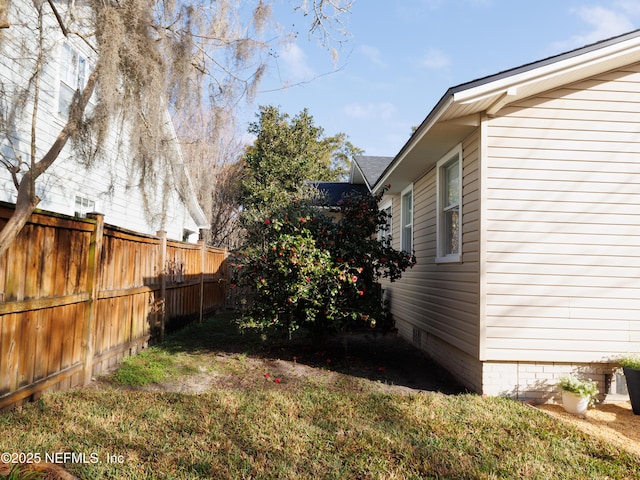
301,268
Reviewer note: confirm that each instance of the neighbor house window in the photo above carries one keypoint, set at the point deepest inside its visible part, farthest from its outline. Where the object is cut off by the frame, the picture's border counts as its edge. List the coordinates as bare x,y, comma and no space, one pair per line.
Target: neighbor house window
406,219
449,205
83,206
73,73
384,233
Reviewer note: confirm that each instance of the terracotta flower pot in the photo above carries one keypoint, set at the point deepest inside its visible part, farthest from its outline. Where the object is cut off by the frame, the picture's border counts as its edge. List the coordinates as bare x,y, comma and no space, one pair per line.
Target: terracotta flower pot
575,404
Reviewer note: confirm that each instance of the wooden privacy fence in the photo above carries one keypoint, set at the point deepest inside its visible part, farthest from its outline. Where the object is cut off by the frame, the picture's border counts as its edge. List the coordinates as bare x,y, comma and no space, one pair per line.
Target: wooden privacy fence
76,296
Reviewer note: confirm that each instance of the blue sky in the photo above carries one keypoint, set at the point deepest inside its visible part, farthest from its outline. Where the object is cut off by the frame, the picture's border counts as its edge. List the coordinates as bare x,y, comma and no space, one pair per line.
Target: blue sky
402,56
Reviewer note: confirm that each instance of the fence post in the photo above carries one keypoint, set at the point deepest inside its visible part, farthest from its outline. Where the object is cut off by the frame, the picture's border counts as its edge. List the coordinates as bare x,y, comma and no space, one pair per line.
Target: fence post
162,269
203,254
93,274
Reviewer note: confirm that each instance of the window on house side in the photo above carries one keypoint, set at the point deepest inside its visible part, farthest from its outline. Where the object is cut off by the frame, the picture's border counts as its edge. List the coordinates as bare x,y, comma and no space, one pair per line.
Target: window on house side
406,217
449,207
384,234
83,206
73,72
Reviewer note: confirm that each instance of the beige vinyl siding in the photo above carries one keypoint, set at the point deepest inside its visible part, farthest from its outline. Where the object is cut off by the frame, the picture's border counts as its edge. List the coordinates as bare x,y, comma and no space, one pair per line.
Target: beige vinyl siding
563,224
441,300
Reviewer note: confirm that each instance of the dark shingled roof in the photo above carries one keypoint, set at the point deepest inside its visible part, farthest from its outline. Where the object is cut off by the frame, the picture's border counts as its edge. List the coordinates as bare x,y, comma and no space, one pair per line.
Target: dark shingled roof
336,190
372,167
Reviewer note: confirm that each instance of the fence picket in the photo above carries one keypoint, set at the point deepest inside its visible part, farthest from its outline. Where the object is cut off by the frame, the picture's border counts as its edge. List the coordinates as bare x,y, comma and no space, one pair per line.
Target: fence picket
77,295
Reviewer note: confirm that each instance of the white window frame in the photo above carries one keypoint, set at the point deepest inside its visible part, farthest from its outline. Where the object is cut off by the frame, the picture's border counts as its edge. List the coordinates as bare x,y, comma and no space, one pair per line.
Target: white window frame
386,237
87,205
406,244
441,208
71,80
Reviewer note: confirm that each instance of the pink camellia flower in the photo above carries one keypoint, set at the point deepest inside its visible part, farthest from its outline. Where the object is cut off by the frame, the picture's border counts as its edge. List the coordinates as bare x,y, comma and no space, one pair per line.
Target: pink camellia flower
267,375
302,219
354,279
307,279
277,380
361,293
267,222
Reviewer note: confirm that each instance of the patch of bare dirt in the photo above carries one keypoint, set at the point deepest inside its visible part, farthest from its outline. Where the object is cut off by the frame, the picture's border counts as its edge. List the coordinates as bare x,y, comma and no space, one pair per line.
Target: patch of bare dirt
363,361
612,422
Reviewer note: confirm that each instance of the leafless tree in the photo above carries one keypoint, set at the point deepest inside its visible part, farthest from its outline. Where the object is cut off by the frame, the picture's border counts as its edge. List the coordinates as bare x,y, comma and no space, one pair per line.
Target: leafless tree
149,56
213,147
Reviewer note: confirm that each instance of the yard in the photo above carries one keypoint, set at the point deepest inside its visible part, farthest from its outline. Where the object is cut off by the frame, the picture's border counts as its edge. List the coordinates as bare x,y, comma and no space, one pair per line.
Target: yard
210,403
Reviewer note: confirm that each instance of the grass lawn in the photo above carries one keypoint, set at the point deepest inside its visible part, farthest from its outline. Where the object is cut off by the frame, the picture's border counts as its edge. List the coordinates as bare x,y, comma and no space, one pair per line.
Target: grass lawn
146,422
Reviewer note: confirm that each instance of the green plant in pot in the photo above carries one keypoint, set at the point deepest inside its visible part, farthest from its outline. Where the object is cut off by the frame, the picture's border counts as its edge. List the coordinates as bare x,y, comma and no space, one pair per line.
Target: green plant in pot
577,394
631,368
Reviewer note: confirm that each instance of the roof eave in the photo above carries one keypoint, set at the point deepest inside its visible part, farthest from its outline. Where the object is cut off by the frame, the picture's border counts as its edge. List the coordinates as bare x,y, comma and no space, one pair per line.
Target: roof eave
490,94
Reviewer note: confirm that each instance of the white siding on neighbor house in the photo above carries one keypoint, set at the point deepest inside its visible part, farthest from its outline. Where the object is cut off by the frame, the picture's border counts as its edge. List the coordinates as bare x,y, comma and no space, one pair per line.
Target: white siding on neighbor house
563,224
111,183
441,299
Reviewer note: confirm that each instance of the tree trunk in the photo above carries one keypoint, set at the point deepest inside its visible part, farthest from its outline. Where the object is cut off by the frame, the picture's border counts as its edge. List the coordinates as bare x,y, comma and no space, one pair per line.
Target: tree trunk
4,14
24,208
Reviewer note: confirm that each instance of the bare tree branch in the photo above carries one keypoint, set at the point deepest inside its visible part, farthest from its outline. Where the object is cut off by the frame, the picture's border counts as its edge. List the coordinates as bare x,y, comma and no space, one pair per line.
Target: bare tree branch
148,54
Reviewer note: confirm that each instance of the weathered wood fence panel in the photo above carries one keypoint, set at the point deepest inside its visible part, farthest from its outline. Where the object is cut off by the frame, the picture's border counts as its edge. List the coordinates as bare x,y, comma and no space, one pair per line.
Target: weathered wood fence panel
76,296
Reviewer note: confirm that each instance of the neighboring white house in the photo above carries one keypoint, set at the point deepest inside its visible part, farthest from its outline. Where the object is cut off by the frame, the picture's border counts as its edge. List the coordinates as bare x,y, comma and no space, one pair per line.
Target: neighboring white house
520,195
112,185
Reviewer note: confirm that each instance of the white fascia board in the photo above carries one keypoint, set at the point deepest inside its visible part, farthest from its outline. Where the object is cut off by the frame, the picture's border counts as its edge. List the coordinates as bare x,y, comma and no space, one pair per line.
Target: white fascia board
190,197
355,169
431,120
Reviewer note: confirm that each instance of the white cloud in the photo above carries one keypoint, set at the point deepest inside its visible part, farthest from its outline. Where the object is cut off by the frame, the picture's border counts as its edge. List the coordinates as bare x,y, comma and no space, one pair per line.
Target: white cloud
631,7
605,23
382,111
435,59
373,54
295,63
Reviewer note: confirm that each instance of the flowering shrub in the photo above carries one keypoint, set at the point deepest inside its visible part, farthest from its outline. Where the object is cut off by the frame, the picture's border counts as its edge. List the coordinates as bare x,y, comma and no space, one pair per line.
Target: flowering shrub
300,268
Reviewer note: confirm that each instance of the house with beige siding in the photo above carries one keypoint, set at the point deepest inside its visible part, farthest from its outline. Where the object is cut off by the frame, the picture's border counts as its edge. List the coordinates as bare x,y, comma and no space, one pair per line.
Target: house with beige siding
520,195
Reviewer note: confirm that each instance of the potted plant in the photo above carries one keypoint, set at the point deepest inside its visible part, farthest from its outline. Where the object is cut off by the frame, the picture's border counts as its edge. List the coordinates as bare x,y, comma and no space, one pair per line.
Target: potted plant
577,394
631,368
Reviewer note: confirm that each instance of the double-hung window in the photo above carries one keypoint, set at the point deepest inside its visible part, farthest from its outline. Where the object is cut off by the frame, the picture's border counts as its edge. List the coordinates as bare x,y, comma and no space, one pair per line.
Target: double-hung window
406,220
83,205
449,205
73,74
